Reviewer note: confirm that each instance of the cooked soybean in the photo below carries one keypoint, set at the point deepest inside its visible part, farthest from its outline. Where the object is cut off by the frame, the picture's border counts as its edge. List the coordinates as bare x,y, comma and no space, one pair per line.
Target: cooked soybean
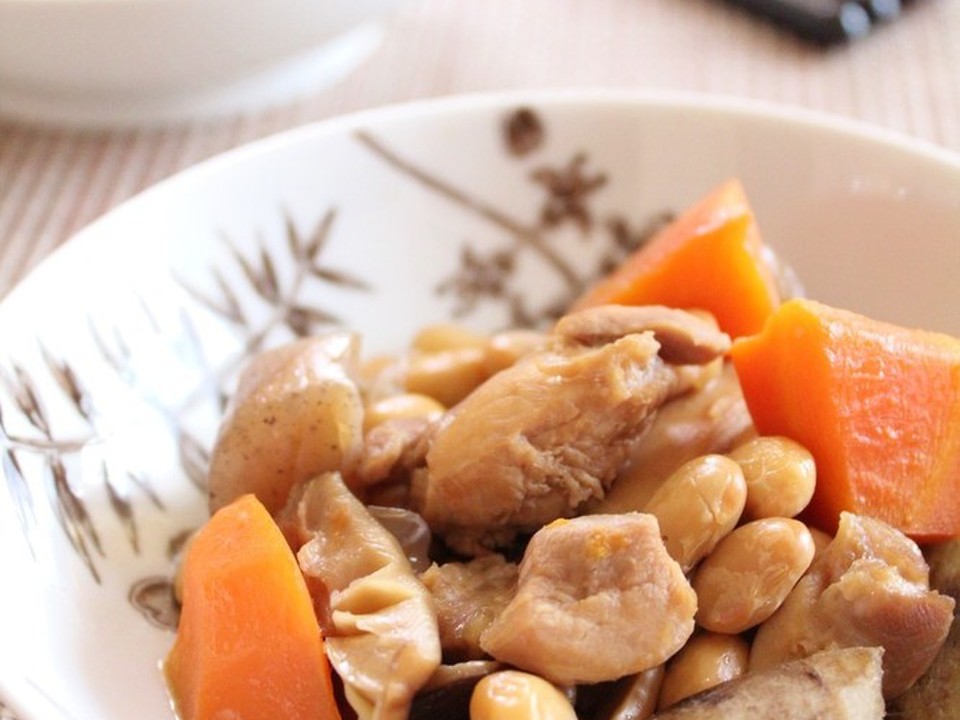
516,695
440,337
503,349
707,660
781,476
447,376
403,405
697,506
750,573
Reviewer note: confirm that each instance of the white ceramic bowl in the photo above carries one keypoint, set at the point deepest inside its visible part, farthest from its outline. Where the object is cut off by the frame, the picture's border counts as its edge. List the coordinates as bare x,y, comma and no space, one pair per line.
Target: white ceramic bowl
115,348
114,62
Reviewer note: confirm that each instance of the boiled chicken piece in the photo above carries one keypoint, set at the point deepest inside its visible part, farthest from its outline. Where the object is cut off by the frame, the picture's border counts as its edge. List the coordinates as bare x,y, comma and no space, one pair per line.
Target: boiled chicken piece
377,617
547,434
296,412
395,446
468,596
598,598
936,695
684,337
713,419
869,587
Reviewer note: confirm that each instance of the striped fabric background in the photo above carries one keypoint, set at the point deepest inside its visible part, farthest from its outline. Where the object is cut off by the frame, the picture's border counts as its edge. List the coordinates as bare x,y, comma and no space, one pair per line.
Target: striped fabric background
906,76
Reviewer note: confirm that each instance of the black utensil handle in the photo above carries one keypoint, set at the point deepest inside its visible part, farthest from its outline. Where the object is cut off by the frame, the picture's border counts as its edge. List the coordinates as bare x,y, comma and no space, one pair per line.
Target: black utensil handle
825,22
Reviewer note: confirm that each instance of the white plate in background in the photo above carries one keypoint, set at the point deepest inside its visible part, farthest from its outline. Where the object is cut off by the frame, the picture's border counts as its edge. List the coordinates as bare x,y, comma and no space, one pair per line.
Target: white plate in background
115,63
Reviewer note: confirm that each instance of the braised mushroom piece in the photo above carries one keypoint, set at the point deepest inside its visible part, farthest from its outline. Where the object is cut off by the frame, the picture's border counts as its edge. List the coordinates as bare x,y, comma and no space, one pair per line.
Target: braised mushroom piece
379,623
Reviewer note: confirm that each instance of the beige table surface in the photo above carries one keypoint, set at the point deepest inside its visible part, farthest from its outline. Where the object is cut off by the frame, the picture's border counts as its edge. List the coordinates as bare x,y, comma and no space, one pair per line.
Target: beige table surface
905,77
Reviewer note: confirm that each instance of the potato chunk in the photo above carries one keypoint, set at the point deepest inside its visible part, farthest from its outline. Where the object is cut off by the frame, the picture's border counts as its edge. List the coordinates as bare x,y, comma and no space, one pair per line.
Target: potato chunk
297,412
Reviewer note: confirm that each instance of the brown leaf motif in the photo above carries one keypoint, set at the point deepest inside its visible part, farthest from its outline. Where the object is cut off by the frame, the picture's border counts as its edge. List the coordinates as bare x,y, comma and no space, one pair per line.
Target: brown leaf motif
262,283
153,598
523,131
272,276
571,188
479,276
568,193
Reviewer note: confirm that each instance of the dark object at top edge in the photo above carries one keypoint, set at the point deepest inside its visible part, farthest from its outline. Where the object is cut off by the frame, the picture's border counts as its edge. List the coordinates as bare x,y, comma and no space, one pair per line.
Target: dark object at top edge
825,22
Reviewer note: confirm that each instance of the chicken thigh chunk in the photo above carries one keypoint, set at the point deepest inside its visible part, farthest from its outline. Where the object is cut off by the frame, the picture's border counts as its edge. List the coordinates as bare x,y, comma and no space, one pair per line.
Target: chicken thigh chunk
540,438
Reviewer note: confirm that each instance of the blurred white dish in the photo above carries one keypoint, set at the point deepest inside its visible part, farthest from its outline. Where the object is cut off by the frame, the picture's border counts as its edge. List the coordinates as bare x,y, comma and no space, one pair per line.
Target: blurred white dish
116,349
124,62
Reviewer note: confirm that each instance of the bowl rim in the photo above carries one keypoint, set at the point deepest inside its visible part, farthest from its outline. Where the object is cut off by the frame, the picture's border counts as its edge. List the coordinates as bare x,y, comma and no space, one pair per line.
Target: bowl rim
721,104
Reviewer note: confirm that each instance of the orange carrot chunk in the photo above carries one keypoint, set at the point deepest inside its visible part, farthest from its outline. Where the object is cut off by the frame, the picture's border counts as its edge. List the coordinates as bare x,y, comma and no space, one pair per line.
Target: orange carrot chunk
710,258
248,645
877,405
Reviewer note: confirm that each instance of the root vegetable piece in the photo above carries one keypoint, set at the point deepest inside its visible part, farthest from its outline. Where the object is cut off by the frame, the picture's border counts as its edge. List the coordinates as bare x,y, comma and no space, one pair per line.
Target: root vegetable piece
877,405
296,413
840,684
710,258
249,645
